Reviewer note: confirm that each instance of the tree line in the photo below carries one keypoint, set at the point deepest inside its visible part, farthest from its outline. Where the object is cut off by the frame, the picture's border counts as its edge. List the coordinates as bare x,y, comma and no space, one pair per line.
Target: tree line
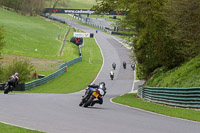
32,7
166,32
26,7
2,43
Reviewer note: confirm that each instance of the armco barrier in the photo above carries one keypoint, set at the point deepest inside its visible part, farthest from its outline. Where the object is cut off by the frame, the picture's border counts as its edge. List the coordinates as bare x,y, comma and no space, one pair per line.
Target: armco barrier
19,87
179,97
62,69
54,18
71,62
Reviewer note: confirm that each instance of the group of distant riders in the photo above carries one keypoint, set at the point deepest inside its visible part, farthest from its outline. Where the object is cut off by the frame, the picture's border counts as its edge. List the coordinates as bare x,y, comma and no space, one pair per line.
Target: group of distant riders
124,66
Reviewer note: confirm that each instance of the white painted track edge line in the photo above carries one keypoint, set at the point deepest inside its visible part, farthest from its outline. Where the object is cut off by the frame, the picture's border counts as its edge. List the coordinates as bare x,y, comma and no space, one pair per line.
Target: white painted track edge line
7,123
133,81
103,61
101,66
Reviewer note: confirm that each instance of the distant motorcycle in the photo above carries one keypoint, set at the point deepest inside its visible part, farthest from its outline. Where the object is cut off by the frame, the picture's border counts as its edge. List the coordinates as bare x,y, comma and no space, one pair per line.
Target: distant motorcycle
114,66
112,75
133,66
91,94
124,65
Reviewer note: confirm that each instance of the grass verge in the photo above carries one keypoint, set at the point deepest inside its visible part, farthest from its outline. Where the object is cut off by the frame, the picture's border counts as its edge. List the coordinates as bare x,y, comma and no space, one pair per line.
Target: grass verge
132,100
34,36
13,129
186,75
79,75
36,39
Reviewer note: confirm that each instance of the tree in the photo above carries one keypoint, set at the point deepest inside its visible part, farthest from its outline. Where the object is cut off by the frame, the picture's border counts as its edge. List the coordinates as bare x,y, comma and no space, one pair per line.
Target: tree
55,3
183,21
144,17
167,31
23,67
30,7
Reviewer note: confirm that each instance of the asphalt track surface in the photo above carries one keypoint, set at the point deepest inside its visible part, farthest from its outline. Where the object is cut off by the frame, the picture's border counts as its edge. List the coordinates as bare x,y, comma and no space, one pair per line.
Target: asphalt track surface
60,113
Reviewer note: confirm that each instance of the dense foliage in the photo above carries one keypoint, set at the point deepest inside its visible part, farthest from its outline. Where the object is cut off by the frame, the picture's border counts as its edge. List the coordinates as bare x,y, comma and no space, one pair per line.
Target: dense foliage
1,47
167,31
1,40
23,67
30,7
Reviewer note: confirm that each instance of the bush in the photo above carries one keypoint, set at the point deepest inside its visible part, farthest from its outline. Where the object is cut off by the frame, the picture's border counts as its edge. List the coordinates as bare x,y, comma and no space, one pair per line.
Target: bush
23,67
2,43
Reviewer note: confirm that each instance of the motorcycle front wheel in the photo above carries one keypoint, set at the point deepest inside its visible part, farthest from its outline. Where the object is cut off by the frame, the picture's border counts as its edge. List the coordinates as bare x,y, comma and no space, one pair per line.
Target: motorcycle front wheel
80,104
88,102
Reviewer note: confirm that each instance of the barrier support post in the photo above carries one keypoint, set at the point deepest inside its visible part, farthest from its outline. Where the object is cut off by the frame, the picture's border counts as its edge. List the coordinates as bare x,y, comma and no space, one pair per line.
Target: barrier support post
66,68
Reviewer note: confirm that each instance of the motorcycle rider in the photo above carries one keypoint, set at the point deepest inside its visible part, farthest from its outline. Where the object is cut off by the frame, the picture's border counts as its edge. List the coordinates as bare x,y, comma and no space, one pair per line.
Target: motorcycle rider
100,99
114,65
124,65
13,80
111,75
133,66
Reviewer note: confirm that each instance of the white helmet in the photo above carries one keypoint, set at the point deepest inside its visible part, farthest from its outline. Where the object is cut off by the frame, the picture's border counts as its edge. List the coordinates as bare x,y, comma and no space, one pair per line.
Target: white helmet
16,74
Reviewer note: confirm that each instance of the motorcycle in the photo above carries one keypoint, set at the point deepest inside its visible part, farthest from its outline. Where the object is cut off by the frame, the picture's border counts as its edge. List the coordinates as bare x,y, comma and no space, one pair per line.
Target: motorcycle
114,66
112,77
91,94
8,88
124,65
133,66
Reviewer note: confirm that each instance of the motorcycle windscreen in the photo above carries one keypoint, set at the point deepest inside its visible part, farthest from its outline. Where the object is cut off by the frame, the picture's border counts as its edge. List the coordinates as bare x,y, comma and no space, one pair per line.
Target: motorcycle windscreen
92,89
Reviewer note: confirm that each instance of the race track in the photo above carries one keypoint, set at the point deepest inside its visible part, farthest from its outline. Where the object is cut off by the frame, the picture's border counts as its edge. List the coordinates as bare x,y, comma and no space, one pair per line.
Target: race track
60,113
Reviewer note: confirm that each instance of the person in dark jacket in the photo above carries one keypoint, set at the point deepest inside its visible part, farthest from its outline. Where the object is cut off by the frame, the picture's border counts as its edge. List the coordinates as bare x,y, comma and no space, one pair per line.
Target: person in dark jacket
133,66
114,65
124,65
100,86
111,75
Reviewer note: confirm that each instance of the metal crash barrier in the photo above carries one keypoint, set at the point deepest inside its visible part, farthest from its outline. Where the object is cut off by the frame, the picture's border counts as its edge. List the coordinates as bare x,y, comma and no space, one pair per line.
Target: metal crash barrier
178,97
43,80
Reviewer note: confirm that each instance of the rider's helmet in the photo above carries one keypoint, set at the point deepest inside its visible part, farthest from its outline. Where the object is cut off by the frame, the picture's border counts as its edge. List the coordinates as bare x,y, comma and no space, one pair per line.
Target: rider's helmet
16,74
102,88
102,85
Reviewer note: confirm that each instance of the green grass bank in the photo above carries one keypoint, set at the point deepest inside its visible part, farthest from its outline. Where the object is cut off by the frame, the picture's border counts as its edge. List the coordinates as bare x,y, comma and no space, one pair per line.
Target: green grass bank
4,128
133,101
79,75
34,36
187,75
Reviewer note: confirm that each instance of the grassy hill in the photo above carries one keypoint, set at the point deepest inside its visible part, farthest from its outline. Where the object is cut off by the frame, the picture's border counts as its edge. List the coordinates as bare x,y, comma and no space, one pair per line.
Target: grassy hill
36,39
24,34
187,75
79,75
